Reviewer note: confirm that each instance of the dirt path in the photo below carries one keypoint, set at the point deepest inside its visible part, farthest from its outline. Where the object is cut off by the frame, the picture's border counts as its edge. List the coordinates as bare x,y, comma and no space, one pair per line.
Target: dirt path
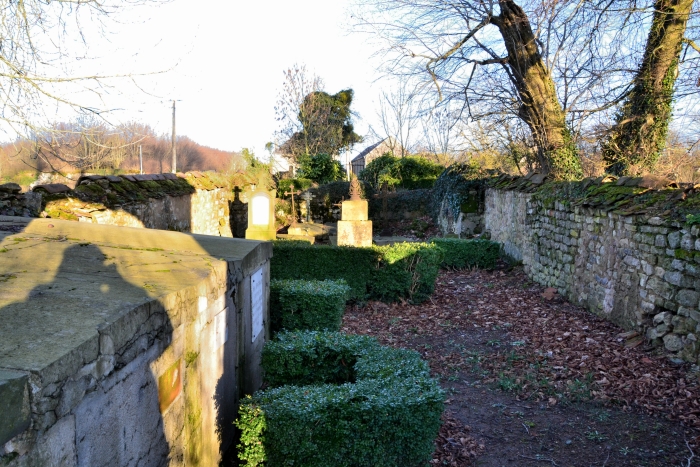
533,381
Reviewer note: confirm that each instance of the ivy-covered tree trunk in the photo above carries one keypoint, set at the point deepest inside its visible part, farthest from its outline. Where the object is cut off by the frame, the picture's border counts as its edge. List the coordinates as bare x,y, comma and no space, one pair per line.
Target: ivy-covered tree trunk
639,135
540,108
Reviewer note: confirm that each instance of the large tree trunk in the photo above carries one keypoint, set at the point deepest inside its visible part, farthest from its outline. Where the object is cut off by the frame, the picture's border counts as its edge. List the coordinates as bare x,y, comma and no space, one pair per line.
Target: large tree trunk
639,135
540,108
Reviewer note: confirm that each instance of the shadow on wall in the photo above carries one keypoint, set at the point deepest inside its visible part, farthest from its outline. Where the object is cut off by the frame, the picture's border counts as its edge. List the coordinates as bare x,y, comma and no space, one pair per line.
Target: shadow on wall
126,345
99,403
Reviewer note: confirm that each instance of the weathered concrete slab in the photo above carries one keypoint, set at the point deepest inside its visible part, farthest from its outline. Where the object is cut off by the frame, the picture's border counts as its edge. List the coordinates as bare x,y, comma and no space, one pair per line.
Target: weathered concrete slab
97,320
61,280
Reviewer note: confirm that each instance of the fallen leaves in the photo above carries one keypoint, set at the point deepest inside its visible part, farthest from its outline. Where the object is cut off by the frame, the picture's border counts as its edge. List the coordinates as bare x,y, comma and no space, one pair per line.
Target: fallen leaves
577,354
454,445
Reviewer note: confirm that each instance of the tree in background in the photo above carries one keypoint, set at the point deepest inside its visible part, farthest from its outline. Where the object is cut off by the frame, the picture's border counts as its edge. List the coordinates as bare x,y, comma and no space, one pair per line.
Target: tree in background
638,137
290,111
557,67
320,168
91,146
409,172
36,60
326,125
399,117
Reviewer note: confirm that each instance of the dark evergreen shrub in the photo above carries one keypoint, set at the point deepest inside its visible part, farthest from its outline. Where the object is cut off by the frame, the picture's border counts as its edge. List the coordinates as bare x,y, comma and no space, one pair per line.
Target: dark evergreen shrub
350,403
460,253
307,304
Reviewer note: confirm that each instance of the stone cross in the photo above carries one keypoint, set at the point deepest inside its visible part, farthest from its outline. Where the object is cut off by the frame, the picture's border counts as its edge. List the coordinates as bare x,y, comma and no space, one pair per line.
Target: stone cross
307,197
292,193
384,195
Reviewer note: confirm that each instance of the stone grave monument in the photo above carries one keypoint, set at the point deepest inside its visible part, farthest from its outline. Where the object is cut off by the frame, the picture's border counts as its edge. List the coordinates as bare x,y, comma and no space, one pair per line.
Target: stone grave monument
354,228
261,213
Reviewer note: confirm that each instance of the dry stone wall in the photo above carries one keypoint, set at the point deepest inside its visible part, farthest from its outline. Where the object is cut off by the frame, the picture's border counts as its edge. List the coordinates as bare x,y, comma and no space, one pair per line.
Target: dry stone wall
620,248
15,203
193,202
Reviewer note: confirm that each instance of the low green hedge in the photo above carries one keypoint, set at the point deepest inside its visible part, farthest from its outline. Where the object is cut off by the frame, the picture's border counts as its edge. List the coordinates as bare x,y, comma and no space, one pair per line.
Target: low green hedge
383,410
301,260
460,254
307,304
405,271
389,273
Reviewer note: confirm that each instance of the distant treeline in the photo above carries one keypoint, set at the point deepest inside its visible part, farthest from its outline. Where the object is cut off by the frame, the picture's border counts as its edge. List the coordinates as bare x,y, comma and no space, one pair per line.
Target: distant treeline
97,148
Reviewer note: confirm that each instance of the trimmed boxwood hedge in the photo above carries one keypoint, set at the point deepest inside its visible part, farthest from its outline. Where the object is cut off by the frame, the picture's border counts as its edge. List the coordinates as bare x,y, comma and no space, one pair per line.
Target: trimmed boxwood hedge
301,260
405,270
460,254
383,410
307,304
388,273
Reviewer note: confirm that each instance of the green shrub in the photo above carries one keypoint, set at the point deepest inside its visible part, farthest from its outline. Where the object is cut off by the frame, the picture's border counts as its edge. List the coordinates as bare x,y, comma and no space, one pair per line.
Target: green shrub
410,172
405,271
384,411
460,254
307,304
389,273
301,260
284,185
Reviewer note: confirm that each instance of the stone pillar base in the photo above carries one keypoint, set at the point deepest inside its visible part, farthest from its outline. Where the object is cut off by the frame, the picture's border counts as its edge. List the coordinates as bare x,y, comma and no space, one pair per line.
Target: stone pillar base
260,234
355,233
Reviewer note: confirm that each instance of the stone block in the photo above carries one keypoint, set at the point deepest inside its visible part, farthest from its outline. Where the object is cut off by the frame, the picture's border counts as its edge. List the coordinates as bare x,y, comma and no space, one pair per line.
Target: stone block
688,298
355,233
673,342
682,325
14,404
673,277
674,239
354,210
663,317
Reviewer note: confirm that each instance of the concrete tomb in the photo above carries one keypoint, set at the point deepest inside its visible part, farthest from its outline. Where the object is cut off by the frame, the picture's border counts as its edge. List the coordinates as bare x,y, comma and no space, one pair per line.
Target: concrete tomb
123,346
355,228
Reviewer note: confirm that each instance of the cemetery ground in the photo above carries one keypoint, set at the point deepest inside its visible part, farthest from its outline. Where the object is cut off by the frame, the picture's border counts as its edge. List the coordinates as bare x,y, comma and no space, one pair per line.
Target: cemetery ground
532,380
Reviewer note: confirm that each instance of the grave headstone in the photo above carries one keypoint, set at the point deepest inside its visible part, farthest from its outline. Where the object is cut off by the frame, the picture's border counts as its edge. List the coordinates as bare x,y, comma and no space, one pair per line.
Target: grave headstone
261,214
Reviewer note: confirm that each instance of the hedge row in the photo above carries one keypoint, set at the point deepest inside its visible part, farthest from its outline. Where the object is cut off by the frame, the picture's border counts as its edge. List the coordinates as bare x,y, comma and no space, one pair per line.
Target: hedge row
460,254
301,260
383,410
405,270
388,273
307,304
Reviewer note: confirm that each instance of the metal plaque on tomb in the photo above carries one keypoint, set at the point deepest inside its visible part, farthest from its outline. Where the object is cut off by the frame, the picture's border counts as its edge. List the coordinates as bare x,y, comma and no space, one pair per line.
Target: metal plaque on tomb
257,298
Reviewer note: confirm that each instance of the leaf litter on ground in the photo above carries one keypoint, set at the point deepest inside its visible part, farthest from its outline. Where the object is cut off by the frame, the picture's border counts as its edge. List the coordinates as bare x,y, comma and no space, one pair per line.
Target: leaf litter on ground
541,348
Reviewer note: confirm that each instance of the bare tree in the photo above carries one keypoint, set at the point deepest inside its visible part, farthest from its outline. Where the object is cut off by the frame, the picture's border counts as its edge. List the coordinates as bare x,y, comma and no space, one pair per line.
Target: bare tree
398,115
636,141
291,110
40,44
552,64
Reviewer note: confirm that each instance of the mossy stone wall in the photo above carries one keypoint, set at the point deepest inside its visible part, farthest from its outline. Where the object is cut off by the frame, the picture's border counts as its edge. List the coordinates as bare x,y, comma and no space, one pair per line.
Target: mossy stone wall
193,202
622,248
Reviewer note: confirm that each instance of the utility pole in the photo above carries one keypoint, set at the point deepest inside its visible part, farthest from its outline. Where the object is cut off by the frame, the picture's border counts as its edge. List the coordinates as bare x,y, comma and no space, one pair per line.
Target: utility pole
140,160
174,151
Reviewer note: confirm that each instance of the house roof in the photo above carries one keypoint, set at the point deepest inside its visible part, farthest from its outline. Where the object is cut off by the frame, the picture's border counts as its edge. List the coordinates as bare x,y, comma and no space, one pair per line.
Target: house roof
367,151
